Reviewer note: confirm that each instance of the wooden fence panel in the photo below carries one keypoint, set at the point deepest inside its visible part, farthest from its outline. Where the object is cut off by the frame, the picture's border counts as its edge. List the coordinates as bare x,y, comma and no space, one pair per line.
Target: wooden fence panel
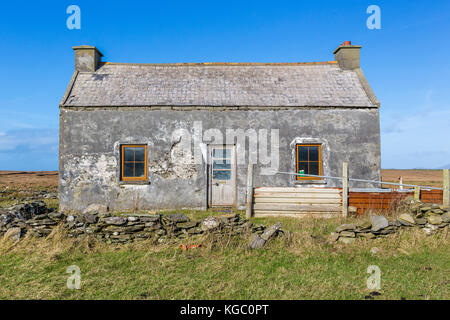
297,201
268,201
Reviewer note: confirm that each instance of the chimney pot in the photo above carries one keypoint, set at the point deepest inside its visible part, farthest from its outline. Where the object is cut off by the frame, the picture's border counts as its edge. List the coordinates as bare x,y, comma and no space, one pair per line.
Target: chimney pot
87,58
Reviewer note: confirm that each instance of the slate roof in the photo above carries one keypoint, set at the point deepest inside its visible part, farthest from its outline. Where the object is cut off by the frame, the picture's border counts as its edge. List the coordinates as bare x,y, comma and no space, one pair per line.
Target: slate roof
219,84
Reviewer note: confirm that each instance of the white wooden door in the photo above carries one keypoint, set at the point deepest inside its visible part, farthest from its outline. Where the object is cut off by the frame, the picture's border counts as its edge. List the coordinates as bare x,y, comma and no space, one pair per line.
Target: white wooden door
222,176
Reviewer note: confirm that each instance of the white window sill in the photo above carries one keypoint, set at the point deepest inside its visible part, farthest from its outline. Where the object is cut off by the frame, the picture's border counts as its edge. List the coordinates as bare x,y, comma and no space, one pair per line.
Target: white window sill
121,183
302,182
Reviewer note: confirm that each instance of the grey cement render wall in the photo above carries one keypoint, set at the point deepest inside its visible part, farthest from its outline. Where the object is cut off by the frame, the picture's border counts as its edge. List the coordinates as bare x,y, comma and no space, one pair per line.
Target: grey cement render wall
90,139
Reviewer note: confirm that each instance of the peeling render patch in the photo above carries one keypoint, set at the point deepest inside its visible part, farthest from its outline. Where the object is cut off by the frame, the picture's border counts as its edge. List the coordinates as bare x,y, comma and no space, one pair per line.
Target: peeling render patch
98,168
87,175
178,163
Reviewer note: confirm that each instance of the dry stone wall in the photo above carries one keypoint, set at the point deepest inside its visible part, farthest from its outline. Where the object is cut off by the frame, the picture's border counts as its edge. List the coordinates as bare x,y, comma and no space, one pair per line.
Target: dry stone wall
35,218
429,217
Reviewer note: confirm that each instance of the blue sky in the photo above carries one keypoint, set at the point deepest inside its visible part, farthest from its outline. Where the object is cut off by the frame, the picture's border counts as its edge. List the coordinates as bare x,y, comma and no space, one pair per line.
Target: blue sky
407,62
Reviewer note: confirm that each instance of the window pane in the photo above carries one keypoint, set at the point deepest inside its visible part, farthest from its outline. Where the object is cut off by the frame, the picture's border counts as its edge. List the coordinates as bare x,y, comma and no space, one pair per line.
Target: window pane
314,153
128,154
302,154
222,153
221,175
222,164
217,153
314,168
139,170
139,154
128,169
227,153
303,166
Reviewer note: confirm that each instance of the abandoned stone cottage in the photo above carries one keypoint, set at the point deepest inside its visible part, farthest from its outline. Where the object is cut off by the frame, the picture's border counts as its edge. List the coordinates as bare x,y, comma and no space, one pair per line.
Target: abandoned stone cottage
165,136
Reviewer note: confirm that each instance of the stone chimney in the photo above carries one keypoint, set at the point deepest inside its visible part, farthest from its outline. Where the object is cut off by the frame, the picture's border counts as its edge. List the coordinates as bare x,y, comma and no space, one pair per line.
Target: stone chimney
87,58
347,55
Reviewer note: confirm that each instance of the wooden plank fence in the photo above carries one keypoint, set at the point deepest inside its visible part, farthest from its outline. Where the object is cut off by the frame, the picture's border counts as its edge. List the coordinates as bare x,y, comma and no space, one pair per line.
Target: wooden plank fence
328,201
291,201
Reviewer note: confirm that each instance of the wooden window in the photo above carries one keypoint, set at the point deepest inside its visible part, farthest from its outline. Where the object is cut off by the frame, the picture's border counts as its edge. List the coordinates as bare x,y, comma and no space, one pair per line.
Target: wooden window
309,159
133,162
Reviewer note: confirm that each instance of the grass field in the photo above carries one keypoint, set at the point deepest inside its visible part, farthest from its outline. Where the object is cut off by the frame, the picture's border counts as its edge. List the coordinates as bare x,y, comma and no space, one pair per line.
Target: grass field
413,266
300,265
421,177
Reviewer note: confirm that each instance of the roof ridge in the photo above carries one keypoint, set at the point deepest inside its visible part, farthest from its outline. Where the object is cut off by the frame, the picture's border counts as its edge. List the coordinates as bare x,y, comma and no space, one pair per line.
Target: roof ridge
223,63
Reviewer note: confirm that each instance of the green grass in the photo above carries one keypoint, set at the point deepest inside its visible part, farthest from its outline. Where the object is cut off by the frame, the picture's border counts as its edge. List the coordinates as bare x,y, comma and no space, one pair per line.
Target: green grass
297,266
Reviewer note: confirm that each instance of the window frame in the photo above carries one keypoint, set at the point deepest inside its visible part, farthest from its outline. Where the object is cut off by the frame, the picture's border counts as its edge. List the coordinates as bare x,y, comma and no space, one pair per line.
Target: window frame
297,147
122,162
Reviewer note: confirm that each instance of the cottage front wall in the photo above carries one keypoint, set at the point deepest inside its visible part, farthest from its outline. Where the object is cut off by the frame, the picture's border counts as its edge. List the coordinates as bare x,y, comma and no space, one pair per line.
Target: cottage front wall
90,140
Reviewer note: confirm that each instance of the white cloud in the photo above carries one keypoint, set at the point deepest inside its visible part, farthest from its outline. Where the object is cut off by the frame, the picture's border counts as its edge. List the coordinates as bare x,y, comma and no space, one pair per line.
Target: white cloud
418,140
29,149
28,139
12,120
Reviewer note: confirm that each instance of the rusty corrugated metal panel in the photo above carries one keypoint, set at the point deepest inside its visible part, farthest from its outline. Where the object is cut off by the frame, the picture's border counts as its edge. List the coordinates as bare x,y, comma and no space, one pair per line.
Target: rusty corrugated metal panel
385,201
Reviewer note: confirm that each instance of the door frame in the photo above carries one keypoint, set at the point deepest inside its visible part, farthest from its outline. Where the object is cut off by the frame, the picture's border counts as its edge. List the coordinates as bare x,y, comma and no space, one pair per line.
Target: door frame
209,175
